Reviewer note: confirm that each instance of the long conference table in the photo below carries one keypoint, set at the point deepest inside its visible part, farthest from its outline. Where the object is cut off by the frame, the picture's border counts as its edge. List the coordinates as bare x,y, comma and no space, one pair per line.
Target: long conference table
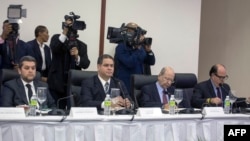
182,127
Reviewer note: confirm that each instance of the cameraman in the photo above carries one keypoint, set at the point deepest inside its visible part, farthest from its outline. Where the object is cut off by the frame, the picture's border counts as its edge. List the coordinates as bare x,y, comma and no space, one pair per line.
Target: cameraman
130,58
64,58
11,47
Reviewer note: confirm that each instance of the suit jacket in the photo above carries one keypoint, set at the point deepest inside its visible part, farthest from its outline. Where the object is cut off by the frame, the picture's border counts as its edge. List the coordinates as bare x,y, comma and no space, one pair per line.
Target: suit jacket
61,61
204,90
13,93
21,50
150,96
92,92
34,50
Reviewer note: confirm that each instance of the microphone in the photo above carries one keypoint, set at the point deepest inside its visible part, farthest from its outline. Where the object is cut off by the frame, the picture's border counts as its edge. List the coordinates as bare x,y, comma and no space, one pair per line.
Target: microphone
58,111
238,100
63,98
125,111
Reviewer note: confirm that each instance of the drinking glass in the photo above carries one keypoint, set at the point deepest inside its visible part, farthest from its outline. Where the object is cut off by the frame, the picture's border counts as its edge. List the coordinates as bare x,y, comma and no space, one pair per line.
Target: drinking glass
232,98
41,97
114,94
178,95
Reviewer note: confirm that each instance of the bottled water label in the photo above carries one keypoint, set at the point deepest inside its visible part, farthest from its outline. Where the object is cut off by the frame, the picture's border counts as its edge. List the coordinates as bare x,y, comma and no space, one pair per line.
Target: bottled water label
227,103
172,103
107,103
33,102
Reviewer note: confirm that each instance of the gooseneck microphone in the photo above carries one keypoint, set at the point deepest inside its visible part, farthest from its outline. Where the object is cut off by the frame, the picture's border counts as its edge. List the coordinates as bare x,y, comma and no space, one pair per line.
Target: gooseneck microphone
63,98
125,111
238,100
58,111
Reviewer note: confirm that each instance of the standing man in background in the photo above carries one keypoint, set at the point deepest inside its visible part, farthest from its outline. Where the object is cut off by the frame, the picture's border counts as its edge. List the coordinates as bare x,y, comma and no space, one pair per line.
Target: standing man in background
68,53
11,47
131,56
40,51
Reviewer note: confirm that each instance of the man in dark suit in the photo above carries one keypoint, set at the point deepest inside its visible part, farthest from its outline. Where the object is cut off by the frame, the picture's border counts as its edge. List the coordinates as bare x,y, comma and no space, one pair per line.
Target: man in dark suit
15,92
213,91
157,94
67,53
40,51
93,89
11,47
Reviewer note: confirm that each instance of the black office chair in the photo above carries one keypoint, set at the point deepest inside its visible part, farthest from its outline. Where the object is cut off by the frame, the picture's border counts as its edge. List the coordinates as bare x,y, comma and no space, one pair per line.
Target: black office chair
75,79
186,81
137,82
8,74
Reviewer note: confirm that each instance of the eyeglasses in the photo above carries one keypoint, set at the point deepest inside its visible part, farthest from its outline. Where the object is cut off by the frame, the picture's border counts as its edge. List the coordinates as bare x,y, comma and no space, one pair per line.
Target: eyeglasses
221,77
168,79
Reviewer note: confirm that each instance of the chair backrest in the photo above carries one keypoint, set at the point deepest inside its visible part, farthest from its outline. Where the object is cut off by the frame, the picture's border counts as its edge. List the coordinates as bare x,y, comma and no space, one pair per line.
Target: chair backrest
9,74
75,79
186,81
137,82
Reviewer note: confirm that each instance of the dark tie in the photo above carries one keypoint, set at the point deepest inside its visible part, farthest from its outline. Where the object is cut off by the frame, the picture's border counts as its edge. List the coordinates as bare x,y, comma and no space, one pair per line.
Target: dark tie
106,87
164,97
29,90
219,95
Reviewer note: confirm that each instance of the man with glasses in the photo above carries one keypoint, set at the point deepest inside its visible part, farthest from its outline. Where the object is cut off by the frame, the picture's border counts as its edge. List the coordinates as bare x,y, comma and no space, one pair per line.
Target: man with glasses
157,94
213,91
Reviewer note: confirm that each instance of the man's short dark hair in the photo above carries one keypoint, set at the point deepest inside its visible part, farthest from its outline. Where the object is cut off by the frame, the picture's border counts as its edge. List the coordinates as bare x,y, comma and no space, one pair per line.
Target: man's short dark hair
26,58
102,57
39,28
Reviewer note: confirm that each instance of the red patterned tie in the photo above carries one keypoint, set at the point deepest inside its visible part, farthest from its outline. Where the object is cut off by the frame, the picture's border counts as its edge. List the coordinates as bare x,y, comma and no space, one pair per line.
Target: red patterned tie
164,97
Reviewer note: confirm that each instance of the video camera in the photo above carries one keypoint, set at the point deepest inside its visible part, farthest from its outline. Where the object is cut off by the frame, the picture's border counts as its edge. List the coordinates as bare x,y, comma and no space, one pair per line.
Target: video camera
76,25
15,14
72,32
117,35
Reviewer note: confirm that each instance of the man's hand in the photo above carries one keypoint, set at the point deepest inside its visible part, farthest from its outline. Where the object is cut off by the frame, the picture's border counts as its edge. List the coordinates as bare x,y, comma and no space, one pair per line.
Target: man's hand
148,48
7,28
74,52
216,100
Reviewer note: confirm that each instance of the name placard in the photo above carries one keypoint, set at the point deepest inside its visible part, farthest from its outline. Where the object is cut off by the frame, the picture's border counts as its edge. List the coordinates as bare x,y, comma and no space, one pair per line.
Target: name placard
83,112
12,112
149,112
213,111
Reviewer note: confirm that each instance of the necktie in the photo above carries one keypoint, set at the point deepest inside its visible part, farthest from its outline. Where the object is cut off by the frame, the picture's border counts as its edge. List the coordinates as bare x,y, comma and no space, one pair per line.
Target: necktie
106,87
29,90
164,97
218,92
219,95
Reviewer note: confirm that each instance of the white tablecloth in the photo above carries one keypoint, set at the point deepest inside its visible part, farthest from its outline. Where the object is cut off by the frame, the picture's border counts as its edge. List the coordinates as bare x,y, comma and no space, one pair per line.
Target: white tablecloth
118,128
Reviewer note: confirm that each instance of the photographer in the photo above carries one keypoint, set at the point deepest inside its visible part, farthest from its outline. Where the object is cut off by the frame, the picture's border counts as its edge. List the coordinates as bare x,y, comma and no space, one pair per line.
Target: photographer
11,47
131,57
68,53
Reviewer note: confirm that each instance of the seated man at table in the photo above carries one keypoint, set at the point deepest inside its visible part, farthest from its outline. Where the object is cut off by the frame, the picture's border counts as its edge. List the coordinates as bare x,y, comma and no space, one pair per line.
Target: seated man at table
94,89
157,94
18,91
213,91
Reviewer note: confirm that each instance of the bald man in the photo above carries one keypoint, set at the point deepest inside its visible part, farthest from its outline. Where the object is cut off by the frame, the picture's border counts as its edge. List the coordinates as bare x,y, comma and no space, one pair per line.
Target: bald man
131,58
212,92
157,94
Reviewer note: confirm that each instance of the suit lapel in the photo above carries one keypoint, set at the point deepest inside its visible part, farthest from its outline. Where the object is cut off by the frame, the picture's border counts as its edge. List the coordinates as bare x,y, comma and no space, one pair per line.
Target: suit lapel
22,92
98,87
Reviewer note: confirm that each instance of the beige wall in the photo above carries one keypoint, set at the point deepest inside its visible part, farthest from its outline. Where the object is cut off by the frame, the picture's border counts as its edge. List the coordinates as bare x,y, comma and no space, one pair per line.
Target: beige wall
174,25
225,38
